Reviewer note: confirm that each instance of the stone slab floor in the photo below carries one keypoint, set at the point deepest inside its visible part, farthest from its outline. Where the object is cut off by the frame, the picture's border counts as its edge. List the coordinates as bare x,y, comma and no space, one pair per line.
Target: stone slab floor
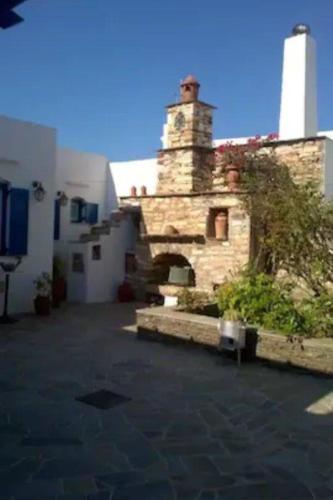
197,427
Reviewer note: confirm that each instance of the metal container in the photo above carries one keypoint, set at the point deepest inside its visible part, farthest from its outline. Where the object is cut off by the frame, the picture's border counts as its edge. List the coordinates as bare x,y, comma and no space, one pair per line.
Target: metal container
232,335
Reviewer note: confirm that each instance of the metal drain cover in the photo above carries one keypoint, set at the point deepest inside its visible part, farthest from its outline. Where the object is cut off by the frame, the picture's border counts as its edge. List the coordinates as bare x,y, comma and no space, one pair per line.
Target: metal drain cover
103,399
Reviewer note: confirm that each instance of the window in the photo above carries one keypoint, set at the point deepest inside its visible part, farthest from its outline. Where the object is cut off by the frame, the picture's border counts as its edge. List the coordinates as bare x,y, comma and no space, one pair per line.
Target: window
77,210
81,211
14,217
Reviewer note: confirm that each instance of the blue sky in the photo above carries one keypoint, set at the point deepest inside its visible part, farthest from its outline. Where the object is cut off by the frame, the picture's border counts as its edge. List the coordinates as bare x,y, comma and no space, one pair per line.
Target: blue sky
101,71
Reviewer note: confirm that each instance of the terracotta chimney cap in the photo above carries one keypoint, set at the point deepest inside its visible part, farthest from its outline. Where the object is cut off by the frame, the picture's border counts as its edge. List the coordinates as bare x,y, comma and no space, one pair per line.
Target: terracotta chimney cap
190,79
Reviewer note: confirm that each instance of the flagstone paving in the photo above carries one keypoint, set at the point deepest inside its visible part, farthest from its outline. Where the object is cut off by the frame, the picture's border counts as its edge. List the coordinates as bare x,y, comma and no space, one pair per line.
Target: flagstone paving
196,426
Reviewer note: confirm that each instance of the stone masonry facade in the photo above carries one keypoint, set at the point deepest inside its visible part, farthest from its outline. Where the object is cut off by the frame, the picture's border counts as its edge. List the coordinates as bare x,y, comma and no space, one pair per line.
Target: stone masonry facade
191,191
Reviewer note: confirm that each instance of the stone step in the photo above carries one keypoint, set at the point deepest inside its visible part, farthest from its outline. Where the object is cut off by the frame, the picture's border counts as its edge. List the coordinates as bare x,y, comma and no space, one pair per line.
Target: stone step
101,229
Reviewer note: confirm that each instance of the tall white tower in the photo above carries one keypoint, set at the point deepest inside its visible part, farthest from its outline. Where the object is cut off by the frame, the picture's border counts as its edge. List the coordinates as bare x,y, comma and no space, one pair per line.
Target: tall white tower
298,113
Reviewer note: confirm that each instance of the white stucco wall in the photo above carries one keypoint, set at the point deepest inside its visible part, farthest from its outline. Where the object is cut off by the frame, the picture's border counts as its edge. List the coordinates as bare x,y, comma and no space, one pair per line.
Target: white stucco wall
81,175
101,278
298,113
27,154
134,173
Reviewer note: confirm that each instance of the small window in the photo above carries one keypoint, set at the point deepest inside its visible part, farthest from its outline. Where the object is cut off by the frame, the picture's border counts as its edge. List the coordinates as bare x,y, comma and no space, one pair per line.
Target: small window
78,210
218,224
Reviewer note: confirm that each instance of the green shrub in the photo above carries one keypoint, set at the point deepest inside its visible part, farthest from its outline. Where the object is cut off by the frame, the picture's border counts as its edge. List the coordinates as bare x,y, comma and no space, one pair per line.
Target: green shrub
261,301
192,301
318,315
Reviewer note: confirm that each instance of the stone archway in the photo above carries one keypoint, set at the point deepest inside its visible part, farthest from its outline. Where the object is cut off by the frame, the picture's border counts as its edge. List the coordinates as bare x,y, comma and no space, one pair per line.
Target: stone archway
172,268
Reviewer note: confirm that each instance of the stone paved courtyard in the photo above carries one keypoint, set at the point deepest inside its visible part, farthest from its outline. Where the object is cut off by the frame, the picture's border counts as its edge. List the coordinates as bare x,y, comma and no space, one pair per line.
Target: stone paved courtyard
197,427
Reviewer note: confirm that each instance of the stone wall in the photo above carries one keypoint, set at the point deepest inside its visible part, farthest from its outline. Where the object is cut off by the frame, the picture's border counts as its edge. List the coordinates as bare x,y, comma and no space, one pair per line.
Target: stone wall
197,126
212,260
185,170
304,157
162,323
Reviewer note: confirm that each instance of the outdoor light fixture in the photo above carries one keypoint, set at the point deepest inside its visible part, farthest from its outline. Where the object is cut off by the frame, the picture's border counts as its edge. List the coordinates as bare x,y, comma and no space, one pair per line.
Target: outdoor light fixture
39,191
63,198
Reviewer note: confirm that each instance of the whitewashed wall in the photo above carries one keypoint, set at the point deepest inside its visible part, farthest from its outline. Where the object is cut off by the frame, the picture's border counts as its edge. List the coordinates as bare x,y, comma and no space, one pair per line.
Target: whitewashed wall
80,175
101,278
125,174
27,154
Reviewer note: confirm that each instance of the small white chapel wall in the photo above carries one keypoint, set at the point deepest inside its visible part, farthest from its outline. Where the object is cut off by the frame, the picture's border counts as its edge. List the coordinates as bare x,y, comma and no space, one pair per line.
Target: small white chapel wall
28,154
82,175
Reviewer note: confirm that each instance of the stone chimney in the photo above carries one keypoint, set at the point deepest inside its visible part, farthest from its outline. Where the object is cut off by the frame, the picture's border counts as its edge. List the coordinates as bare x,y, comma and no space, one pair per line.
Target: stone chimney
189,89
298,113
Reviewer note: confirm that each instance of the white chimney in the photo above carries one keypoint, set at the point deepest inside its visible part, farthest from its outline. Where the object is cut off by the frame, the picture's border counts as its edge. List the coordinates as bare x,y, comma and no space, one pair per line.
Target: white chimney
298,113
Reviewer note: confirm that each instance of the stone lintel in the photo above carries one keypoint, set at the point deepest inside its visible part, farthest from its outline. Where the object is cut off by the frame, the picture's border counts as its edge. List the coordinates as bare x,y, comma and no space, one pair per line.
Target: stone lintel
186,195
187,148
204,104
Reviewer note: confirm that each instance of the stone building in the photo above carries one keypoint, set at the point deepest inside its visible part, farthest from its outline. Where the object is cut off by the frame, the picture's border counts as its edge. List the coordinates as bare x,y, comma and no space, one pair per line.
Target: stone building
194,231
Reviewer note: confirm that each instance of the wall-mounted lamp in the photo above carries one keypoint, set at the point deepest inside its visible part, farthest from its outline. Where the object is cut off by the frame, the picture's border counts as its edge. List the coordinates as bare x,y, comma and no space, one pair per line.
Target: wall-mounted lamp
63,198
39,192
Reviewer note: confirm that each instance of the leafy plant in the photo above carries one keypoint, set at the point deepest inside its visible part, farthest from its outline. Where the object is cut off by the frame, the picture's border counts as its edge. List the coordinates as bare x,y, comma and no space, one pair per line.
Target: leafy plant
232,315
260,301
318,315
193,301
43,285
291,220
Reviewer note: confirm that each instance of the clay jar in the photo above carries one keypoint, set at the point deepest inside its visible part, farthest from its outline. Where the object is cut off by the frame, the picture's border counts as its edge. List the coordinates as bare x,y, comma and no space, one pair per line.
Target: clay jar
133,192
143,191
233,177
221,226
170,230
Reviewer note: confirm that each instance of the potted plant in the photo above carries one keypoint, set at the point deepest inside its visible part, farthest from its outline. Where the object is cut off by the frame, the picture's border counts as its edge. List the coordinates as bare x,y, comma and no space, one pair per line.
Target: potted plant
58,282
42,301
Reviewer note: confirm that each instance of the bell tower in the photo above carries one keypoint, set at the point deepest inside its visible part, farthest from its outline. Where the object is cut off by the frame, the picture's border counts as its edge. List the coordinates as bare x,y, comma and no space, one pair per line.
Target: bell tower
186,159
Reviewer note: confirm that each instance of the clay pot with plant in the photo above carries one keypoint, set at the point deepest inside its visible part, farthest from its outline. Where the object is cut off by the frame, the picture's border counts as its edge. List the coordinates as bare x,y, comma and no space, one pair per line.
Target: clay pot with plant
43,287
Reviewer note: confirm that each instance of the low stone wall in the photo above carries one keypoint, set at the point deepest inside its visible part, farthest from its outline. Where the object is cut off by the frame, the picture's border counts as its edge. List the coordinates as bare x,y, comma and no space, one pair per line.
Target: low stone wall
158,323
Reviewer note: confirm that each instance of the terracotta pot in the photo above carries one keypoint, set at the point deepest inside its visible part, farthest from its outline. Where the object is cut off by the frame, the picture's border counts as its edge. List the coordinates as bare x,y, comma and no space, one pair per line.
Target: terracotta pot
125,293
221,226
42,306
58,291
232,177
170,230
143,191
133,192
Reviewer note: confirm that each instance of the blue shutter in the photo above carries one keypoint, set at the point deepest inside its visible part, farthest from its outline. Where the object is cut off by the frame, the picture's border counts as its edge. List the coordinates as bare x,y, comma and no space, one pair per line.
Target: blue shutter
57,219
92,213
18,222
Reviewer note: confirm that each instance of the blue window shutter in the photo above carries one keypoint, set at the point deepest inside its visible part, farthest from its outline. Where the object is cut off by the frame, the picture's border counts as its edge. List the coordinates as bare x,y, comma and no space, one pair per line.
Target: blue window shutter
92,213
18,222
57,219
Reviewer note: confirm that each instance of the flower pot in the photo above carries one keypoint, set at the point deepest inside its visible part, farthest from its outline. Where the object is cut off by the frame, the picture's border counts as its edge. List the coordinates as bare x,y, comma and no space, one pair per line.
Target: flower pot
42,305
125,293
58,291
221,226
232,177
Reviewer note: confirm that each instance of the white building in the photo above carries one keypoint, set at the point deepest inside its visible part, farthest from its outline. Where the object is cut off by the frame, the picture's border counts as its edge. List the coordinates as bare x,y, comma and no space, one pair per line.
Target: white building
89,233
